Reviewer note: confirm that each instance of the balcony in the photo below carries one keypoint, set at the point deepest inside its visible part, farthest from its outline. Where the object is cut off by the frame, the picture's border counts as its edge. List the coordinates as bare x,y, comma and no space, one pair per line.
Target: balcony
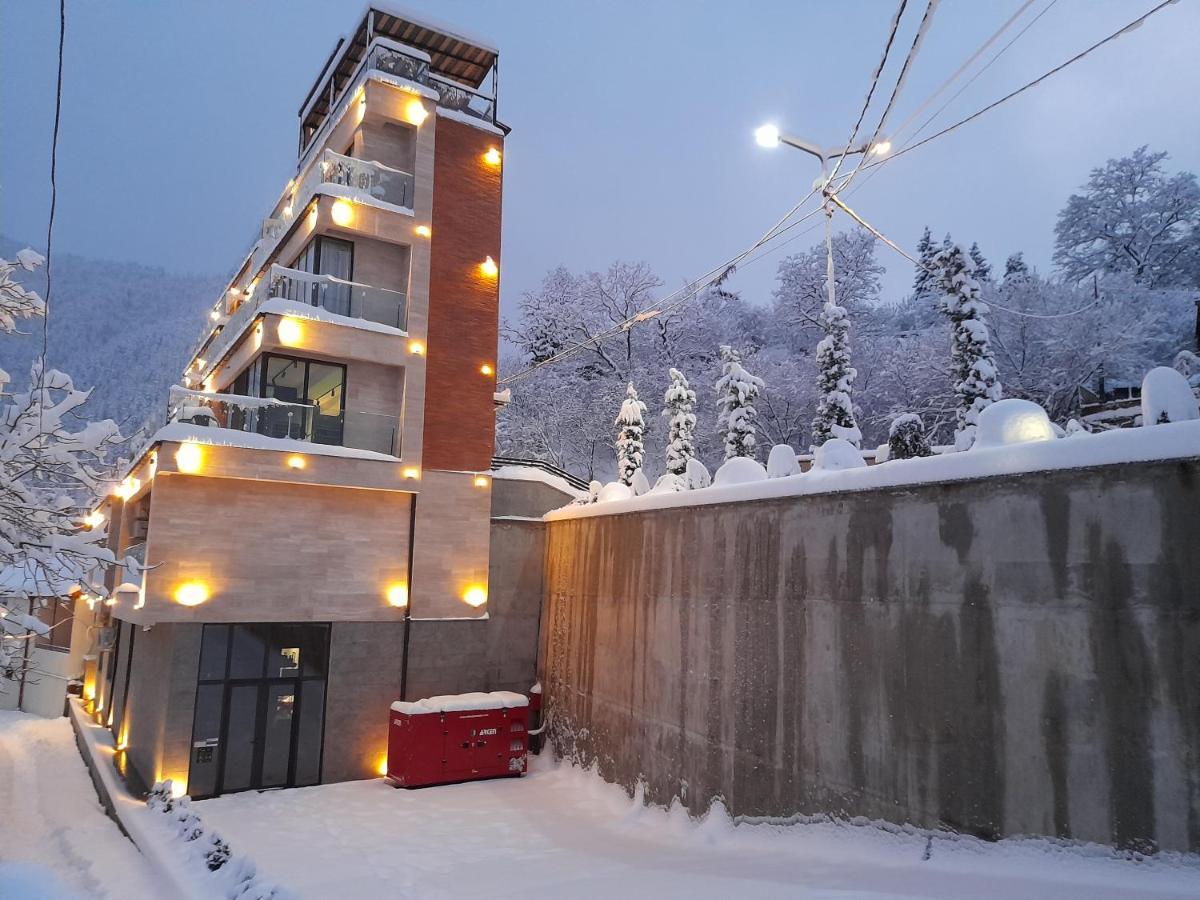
288,421
342,298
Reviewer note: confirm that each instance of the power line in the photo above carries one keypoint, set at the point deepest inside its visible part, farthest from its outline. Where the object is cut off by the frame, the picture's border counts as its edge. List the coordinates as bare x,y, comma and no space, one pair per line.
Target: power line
62,32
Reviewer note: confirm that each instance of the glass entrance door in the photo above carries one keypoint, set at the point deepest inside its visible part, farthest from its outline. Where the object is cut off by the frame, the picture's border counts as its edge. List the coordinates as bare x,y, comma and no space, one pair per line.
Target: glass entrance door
260,708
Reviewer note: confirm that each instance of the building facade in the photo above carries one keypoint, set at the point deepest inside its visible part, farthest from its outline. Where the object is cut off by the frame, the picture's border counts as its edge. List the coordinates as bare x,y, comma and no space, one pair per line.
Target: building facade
315,519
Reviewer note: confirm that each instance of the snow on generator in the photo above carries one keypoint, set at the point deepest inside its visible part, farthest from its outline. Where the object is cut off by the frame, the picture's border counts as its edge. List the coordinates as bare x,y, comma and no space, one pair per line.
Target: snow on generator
457,737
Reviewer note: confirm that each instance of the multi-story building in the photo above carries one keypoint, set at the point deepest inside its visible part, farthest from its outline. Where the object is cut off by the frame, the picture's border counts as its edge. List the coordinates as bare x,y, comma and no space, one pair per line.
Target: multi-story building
319,504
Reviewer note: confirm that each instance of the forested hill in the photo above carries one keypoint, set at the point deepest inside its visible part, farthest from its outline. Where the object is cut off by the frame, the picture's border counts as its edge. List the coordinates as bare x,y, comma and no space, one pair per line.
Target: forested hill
121,328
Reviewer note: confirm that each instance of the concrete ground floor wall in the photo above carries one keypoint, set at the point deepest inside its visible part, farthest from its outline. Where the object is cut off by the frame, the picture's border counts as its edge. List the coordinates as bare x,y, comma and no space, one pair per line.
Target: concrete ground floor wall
1013,655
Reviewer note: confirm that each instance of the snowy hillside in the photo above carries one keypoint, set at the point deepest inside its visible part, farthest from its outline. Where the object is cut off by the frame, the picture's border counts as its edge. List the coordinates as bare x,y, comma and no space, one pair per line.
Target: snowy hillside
122,328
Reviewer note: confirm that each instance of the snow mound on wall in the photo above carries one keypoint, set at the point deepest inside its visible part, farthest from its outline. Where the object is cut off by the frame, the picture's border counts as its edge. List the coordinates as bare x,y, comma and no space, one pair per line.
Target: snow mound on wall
668,483
614,490
836,455
740,470
1012,421
1167,396
782,462
640,484
697,475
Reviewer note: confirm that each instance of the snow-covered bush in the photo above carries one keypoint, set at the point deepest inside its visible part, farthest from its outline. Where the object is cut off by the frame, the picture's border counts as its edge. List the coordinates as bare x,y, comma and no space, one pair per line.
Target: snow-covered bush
1074,427
836,455
631,429
976,381
1012,421
736,391
1186,363
1167,397
907,438
696,476
669,483
782,462
614,490
680,403
640,484
739,470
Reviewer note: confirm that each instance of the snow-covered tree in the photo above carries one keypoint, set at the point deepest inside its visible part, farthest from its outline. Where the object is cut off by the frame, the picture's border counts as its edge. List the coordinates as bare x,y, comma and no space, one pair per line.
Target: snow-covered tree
736,392
1015,268
631,429
680,411
835,381
907,438
801,293
52,463
976,381
1132,217
925,251
983,269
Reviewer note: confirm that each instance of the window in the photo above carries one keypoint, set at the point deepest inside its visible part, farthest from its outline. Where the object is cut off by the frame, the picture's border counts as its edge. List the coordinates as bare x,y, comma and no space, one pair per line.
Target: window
326,256
319,385
57,613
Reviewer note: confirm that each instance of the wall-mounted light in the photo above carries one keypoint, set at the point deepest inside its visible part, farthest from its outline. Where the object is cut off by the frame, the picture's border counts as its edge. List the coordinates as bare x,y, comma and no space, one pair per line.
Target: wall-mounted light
153,463
475,595
423,231
314,214
486,369
416,348
397,595
411,472
189,457
415,112
191,593
295,461
127,488
287,211
290,331
214,315
489,268
258,335
342,213
481,481
492,157
94,519
382,767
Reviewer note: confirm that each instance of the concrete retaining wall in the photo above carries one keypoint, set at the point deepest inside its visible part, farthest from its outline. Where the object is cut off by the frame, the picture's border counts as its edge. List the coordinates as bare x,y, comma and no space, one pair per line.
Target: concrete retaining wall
1019,655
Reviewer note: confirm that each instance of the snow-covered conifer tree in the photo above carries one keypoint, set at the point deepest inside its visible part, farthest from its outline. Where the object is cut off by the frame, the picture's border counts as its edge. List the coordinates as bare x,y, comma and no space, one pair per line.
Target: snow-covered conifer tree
976,381
907,438
835,381
923,276
631,429
983,269
680,403
736,391
1015,268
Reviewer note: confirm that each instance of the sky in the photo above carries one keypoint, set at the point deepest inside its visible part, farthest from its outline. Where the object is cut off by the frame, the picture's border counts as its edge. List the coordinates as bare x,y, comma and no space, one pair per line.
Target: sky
632,123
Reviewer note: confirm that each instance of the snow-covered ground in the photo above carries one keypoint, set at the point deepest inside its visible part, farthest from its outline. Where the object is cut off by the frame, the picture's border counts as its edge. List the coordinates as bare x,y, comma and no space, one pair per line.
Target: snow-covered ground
55,840
562,832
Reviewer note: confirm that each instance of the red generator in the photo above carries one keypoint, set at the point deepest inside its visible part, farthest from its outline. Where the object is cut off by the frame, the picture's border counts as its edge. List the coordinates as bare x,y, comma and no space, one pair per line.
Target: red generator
457,737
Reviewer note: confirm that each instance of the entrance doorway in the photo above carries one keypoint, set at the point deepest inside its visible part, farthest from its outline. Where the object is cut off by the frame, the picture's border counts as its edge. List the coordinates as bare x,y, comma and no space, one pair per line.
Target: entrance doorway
260,708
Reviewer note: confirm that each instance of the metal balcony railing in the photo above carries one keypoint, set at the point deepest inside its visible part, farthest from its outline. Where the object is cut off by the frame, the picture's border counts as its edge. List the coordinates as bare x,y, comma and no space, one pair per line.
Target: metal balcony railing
343,298
294,421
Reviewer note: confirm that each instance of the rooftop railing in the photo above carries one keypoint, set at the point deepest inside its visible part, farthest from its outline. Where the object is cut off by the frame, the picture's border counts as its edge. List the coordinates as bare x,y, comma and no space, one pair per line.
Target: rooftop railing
274,418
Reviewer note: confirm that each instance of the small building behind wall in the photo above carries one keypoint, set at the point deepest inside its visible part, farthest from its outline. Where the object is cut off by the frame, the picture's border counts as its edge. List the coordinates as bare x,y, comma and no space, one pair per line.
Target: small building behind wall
321,498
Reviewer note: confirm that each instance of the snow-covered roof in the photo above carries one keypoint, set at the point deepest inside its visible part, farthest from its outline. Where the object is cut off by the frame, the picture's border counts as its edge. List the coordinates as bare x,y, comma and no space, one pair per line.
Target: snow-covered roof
530,473
1177,440
461,702
249,440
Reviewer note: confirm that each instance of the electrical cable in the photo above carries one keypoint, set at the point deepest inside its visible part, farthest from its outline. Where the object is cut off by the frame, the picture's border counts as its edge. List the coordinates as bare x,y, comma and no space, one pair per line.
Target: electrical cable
62,31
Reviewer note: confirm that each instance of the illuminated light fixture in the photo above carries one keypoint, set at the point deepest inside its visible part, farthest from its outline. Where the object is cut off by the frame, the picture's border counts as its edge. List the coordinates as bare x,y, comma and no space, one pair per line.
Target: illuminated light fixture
415,112
881,148
295,461
189,457
94,519
110,601
492,157
198,363
214,315
235,290
767,136
416,348
153,465
397,595
258,334
383,765
342,213
424,231
127,488
191,593
481,481
486,369
475,596
489,268
178,787
287,210
313,215
289,331
411,472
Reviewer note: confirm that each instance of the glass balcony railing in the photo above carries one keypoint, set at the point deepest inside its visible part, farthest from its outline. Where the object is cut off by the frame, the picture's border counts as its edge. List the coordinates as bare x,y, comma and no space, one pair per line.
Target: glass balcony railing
294,421
343,298
375,179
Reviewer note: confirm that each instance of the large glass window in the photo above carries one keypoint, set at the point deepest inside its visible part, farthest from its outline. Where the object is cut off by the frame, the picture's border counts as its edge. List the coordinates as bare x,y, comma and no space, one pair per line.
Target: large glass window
319,385
327,256
260,707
